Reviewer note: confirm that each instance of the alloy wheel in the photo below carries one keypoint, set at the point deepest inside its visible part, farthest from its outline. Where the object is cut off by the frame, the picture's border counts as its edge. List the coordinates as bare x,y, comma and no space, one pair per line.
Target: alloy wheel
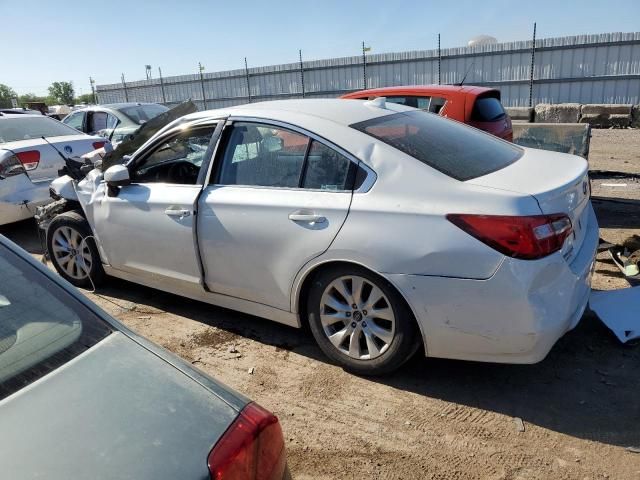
357,317
71,253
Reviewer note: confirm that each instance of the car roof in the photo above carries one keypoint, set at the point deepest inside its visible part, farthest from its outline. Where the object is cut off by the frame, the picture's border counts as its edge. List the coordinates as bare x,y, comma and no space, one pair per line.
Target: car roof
421,90
112,106
306,111
5,115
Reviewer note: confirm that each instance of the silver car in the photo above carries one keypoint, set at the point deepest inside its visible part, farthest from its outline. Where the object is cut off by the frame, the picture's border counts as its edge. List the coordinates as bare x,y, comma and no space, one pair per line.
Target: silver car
81,396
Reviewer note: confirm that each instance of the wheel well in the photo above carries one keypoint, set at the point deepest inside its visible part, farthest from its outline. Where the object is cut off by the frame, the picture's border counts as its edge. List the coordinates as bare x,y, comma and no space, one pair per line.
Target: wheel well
307,282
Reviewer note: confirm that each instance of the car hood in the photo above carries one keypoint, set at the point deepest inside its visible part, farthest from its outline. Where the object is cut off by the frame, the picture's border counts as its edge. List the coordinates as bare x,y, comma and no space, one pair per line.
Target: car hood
116,411
145,132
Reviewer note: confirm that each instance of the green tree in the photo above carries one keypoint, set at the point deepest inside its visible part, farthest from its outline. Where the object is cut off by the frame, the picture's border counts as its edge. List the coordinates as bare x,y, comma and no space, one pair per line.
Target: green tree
85,98
6,94
62,92
30,97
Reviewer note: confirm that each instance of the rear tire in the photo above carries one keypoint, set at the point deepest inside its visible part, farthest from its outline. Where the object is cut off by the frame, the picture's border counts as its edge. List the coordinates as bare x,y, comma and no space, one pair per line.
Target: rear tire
73,251
360,321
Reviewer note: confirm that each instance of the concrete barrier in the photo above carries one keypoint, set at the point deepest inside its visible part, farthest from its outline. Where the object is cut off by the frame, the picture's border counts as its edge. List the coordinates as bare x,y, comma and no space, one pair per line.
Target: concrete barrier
635,116
571,138
558,113
606,116
521,114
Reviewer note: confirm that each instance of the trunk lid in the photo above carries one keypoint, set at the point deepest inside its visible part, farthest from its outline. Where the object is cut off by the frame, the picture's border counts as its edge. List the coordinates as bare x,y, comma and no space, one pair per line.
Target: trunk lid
50,161
559,182
115,411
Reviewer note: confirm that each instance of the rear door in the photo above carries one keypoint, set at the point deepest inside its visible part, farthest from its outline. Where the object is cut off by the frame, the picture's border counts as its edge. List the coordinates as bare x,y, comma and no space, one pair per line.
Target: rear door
277,198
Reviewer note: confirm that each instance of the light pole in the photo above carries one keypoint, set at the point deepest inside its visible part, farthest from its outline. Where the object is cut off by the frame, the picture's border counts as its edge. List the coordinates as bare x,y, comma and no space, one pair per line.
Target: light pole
204,98
148,71
92,82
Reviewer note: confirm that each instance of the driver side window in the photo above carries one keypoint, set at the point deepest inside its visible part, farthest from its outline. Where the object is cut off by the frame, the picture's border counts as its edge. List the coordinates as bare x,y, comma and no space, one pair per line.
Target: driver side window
177,160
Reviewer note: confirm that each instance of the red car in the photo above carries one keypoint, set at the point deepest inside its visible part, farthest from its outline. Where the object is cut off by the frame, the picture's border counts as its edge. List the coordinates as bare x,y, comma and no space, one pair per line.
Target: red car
476,106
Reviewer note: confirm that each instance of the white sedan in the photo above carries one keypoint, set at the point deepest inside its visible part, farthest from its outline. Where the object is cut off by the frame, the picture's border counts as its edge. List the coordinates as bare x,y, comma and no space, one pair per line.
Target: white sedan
28,163
385,229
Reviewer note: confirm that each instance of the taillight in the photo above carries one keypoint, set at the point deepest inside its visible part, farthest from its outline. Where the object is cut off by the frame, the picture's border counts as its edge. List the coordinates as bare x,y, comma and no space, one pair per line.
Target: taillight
9,164
252,448
97,145
527,238
29,159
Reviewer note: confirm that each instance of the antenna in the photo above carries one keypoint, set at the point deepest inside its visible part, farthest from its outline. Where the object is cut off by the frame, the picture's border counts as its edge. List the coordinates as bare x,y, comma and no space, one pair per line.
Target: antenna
53,146
466,73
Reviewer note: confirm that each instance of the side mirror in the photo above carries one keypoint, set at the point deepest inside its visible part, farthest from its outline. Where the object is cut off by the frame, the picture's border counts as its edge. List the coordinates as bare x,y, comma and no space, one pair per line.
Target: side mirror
117,176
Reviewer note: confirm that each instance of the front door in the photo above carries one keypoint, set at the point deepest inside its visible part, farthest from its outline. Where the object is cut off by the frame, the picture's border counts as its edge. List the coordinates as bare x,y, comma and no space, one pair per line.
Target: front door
276,200
147,229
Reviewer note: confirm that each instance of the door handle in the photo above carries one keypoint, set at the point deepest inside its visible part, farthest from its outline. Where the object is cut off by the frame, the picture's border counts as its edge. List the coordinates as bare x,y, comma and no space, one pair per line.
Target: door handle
177,212
306,217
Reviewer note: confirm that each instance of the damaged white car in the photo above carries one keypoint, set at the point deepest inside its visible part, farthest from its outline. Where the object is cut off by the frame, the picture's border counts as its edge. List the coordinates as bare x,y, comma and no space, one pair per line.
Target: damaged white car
386,229
28,162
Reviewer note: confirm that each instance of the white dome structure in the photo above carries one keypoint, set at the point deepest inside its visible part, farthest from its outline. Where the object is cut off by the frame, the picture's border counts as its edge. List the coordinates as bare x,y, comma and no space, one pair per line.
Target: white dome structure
482,40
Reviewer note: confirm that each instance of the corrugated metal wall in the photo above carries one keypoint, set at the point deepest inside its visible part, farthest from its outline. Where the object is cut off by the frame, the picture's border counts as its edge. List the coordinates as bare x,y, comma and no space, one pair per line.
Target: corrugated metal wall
602,68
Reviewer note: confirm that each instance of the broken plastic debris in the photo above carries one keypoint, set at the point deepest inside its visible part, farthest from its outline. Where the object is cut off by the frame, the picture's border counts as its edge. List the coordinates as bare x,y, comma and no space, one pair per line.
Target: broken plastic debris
618,310
4,301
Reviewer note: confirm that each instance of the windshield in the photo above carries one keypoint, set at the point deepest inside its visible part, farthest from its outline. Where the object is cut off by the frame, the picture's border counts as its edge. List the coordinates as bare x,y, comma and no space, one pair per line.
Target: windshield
143,113
41,325
28,127
452,148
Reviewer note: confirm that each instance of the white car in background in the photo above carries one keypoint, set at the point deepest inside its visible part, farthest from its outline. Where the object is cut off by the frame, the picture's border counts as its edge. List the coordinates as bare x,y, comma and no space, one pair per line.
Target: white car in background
385,228
28,163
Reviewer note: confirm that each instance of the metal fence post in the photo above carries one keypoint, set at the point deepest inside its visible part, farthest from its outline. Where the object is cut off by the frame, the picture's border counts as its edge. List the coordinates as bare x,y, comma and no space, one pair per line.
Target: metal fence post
204,97
364,65
439,59
533,58
301,73
246,72
124,85
164,98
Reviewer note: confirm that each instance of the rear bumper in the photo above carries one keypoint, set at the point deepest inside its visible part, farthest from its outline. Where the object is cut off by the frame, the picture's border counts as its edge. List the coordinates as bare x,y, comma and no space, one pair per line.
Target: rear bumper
516,316
19,197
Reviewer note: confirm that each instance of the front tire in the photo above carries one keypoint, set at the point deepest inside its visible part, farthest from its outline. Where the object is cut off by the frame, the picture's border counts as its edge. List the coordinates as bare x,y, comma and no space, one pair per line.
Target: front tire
73,251
360,321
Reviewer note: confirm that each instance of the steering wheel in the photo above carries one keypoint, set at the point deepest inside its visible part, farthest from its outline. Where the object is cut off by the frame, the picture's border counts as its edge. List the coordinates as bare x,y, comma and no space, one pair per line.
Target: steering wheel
183,172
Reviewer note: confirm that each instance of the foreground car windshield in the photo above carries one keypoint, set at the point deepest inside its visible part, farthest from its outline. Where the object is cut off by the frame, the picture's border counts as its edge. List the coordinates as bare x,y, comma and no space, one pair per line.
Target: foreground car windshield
41,325
450,147
29,127
143,113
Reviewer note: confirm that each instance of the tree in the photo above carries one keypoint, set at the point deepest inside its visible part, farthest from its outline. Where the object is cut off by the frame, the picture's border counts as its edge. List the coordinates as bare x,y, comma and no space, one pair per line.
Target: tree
85,98
62,92
30,97
6,94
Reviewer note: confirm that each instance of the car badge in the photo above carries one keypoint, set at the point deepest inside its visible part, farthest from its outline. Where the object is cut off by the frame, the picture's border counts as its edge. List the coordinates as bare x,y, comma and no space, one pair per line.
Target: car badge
68,149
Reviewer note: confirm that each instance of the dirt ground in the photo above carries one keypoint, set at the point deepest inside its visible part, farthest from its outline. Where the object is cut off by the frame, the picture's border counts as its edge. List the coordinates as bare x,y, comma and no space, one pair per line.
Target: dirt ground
572,416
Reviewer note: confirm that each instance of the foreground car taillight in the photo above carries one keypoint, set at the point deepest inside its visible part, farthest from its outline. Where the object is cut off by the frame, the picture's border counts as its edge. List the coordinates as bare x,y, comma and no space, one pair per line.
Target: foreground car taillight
29,159
251,448
528,238
9,164
97,145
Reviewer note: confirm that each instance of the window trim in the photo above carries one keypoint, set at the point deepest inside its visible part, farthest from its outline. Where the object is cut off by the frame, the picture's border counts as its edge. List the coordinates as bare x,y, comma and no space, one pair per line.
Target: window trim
217,160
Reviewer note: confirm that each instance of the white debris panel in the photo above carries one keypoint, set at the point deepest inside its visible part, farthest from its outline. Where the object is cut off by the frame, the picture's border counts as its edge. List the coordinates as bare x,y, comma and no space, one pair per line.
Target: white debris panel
619,310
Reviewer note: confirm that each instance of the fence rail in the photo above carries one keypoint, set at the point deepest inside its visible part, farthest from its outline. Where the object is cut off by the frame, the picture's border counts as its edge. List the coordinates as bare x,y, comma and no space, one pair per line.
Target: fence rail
603,68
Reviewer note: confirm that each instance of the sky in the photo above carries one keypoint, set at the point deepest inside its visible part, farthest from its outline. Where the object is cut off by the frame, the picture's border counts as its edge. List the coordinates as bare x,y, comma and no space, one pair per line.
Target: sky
68,40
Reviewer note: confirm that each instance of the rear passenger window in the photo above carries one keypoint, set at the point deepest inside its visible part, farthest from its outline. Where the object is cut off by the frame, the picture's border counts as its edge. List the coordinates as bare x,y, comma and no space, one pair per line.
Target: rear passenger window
326,169
74,120
263,155
488,109
437,103
408,101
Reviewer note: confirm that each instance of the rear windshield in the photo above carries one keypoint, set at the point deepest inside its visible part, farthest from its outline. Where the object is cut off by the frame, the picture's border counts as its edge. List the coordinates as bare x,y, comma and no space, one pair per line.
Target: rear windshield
41,325
143,113
487,109
452,148
28,127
